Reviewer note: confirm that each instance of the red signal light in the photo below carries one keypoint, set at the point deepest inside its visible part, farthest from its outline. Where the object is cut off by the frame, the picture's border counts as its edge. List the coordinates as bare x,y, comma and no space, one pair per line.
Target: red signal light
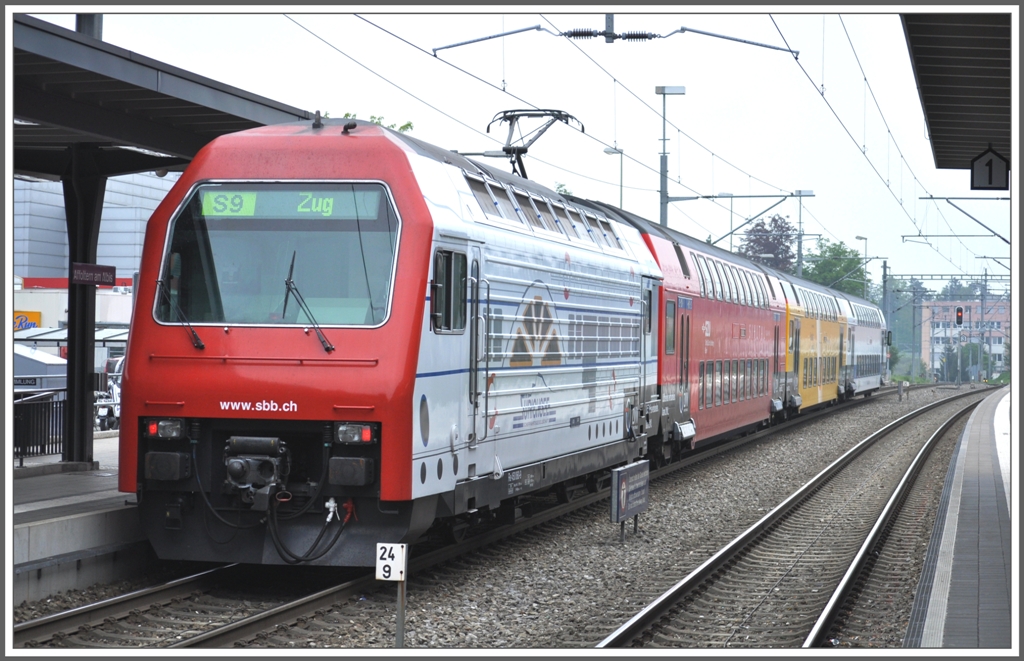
367,434
959,315
152,428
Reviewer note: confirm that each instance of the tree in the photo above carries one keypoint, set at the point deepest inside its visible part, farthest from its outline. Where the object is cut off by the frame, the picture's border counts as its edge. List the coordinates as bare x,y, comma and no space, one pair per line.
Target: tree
957,290
894,357
561,189
838,266
380,122
904,319
776,237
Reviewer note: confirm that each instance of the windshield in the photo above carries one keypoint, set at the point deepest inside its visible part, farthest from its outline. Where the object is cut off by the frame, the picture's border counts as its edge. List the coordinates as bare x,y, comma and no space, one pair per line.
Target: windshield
233,246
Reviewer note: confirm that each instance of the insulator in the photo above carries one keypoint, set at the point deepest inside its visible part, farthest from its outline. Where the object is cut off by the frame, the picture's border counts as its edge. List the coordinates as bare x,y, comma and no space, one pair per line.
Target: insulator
637,36
581,33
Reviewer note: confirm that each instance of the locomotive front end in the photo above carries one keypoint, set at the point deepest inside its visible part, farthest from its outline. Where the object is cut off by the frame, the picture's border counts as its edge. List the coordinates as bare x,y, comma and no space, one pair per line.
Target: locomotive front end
264,375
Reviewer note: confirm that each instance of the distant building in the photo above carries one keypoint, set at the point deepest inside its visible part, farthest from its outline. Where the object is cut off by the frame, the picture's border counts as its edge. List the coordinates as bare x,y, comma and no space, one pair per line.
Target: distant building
989,327
40,246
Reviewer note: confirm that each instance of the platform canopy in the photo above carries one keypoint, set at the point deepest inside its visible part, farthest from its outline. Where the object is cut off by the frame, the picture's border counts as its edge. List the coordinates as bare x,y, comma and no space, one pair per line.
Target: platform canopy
85,110
962,68
73,89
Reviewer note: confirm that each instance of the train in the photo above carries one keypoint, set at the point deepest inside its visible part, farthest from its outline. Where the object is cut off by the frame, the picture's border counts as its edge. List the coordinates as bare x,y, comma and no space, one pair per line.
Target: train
281,406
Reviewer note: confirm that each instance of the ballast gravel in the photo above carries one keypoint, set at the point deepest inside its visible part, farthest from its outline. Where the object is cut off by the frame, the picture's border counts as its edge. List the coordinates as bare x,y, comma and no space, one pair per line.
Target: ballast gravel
570,583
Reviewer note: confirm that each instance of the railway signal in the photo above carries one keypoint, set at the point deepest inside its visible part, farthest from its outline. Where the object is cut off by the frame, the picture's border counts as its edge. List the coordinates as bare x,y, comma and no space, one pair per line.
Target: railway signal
959,316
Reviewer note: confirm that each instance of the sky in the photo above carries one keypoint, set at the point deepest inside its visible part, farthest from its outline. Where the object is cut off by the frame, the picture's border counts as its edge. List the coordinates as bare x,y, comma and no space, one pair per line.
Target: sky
842,119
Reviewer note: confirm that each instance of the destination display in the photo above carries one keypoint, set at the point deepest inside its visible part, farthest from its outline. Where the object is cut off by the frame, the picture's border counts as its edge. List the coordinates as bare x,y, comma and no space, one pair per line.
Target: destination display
350,202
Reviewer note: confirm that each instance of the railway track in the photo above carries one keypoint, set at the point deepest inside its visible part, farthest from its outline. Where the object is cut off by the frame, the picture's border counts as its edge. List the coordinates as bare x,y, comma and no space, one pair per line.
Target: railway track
784,581
223,607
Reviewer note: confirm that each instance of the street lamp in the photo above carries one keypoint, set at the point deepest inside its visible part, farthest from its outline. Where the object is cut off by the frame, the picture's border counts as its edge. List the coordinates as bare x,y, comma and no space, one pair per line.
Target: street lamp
865,240
665,91
616,150
729,195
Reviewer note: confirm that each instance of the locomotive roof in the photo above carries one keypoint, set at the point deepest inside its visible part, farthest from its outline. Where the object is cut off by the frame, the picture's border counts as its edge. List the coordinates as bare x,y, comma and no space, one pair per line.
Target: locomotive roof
449,157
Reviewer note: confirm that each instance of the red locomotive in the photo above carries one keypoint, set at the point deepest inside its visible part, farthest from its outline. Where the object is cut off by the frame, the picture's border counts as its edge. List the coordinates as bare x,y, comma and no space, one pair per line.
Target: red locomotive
343,335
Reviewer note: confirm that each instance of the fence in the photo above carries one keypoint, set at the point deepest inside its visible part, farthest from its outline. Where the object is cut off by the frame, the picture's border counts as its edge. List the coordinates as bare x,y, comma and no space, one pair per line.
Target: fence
39,424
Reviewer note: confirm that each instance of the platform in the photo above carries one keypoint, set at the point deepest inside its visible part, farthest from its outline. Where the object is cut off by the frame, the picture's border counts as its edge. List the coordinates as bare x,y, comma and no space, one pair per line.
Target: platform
71,526
966,595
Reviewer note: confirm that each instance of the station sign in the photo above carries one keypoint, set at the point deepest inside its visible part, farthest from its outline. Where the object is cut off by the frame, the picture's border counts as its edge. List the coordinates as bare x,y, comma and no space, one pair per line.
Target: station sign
93,274
629,490
990,171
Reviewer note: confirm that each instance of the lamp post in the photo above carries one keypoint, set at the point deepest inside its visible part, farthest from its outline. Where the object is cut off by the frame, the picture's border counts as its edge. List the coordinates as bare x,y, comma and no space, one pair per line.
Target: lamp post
665,91
865,240
729,195
616,150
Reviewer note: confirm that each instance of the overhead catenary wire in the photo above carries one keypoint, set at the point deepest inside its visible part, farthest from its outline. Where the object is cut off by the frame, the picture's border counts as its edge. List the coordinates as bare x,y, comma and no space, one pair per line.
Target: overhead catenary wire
485,82
868,89
872,165
603,143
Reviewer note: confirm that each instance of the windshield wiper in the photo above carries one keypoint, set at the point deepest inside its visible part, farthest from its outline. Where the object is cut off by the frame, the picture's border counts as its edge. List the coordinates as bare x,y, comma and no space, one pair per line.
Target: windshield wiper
287,289
194,337
292,288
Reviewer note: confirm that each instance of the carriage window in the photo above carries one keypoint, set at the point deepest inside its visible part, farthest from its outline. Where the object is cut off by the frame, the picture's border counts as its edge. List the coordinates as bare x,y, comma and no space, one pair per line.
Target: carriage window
735,379
700,275
609,234
547,215
508,210
726,383
562,218
670,327
682,260
752,297
448,292
703,265
718,383
700,384
526,208
716,278
724,294
742,287
598,233
580,226
648,297
483,196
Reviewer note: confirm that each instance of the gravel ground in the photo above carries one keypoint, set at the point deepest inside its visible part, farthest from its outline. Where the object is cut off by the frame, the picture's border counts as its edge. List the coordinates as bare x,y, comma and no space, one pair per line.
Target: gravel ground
571,583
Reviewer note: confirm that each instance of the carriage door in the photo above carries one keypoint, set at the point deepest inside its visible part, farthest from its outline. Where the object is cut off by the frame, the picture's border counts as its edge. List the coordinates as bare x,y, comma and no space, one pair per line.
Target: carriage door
479,348
685,310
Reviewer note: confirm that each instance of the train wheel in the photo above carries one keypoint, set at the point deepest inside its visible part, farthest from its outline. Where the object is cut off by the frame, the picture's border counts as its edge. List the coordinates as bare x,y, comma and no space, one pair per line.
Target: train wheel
455,530
566,492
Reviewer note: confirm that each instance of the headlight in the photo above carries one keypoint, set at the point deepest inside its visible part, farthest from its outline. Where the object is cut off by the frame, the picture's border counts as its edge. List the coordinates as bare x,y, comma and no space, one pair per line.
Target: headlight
354,433
171,428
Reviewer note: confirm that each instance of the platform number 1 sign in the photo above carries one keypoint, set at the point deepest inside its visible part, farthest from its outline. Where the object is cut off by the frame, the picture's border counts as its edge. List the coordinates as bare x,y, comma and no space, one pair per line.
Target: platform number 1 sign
391,565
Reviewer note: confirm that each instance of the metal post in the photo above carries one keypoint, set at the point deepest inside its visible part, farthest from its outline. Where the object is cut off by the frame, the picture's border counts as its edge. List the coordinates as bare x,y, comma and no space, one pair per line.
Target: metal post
622,532
730,223
620,178
636,523
800,240
664,168
400,626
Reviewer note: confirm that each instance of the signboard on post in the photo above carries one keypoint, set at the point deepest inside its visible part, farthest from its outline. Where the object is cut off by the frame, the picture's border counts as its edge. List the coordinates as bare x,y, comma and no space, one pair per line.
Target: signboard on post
92,274
393,565
629,490
391,562
990,171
